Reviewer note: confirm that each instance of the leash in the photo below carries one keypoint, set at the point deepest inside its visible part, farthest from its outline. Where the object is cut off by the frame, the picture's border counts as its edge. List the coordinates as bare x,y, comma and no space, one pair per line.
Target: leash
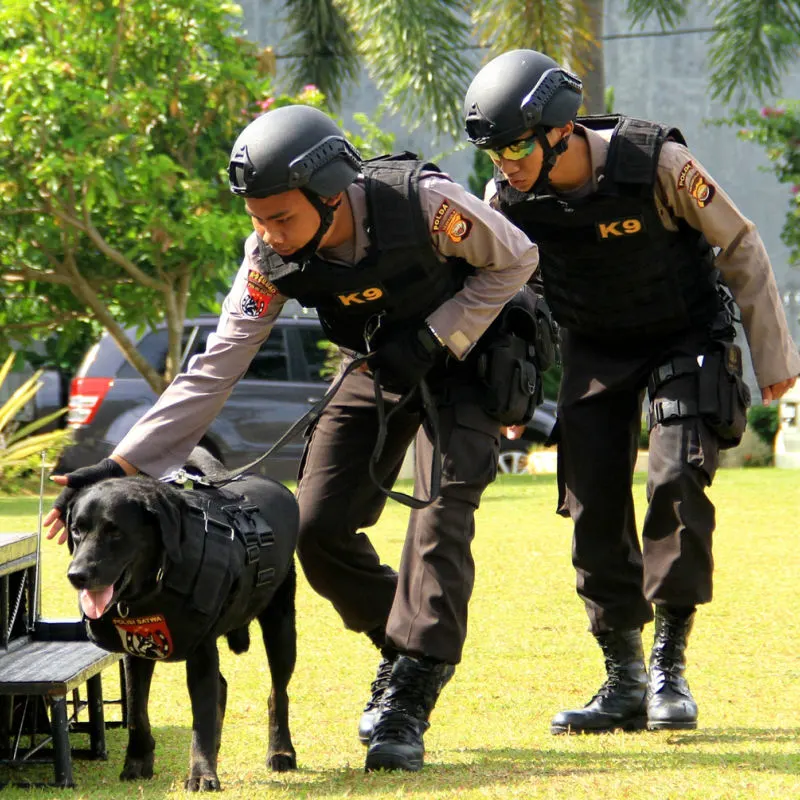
313,414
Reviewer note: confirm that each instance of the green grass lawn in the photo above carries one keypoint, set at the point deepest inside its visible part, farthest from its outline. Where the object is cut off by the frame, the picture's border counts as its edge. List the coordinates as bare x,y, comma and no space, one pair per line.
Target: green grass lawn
527,656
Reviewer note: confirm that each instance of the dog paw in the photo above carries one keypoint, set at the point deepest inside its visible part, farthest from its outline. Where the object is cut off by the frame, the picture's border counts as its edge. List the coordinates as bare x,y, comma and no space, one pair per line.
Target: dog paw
282,762
202,783
137,769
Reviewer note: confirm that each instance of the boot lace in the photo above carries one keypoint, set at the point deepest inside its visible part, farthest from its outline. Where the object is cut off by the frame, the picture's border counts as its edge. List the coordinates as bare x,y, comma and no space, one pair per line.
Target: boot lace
379,685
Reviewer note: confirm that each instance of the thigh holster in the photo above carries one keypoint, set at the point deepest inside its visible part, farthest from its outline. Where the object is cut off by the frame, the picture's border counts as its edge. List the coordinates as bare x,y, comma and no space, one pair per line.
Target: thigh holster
713,390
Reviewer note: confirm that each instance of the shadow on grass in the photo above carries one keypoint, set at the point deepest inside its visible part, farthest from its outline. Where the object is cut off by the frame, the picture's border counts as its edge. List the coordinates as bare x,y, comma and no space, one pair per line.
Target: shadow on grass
480,768
518,766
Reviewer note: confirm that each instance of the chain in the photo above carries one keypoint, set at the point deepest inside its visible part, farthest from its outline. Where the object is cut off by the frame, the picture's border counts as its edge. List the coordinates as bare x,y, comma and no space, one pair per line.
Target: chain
17,605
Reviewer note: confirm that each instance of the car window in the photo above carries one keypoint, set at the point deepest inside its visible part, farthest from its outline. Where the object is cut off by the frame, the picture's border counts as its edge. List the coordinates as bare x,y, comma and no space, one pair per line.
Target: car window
314,345
269,364
153,347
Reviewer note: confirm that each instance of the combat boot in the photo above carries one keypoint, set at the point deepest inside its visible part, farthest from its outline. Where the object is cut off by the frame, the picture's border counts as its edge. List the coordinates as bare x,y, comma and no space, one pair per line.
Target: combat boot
621,701
670,705
377,689
414,686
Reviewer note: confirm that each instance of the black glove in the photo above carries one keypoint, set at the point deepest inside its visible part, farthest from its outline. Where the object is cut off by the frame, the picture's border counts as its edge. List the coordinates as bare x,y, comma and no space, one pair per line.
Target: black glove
87,476
406,358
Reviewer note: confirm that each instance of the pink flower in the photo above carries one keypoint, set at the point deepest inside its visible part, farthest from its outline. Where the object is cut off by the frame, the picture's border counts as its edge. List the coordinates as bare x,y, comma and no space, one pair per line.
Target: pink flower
266,103
768,111
796,188
310,87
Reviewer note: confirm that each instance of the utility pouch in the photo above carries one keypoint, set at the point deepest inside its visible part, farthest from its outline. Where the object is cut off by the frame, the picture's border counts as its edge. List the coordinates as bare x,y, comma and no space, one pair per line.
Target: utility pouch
512,386
723,396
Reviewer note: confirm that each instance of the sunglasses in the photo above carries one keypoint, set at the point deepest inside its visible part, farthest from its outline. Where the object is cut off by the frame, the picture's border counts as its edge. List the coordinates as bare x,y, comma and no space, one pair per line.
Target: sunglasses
515,151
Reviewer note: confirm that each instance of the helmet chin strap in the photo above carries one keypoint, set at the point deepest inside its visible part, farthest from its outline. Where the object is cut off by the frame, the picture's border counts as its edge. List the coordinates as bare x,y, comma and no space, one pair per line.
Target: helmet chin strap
326,213
550,155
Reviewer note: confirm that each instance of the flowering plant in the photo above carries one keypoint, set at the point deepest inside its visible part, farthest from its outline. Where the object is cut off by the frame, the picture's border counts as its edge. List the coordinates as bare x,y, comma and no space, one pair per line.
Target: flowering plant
777,130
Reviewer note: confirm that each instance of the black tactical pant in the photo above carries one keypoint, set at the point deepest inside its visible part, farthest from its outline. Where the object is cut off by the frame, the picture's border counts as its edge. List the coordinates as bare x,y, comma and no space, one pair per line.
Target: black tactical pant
599,416
424,606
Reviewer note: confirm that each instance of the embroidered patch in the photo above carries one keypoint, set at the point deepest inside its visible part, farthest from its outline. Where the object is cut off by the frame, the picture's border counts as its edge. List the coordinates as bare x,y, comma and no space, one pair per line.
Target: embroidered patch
258,296
451,222
146,637
701,190
683,173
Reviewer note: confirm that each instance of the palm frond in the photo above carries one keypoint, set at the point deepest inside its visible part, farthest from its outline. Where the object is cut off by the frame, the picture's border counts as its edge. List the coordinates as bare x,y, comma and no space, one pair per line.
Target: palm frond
415,53
560,30
753,44
322,45
668,12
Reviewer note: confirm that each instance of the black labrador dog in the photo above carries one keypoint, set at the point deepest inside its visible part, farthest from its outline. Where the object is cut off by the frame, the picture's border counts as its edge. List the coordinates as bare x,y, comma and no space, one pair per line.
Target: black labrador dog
163,570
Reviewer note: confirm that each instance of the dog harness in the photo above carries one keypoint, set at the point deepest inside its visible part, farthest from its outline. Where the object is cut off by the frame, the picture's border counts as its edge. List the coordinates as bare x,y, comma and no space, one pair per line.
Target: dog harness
228,552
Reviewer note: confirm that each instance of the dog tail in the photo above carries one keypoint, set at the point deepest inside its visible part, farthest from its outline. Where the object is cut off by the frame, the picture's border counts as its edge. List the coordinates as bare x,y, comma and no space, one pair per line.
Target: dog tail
239,639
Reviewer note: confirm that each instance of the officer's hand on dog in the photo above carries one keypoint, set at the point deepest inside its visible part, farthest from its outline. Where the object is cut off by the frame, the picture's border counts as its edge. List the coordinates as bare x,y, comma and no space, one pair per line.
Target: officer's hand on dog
80,479
406,358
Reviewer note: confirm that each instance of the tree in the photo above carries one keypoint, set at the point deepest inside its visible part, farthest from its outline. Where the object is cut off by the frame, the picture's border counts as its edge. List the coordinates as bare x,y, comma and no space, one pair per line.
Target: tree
115,130
752,45
777,130
421,53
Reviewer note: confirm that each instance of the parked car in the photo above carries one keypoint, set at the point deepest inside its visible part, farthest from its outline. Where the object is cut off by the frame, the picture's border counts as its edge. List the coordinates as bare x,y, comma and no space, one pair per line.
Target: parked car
107,396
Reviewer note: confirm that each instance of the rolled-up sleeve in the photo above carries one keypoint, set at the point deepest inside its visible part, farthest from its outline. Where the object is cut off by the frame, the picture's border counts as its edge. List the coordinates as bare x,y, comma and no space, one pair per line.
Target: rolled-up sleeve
462,226
163,438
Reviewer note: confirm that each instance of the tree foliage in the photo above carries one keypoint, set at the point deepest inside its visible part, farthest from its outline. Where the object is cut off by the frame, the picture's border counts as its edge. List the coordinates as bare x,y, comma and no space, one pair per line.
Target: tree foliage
114,135
777,130
753,43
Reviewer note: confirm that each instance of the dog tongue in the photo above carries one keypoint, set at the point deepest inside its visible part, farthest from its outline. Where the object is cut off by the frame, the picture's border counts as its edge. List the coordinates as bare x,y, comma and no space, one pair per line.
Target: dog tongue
95,603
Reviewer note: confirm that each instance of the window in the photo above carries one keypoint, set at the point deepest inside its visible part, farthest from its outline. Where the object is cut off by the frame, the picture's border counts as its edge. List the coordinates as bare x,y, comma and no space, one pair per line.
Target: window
315,349
270,363
154,349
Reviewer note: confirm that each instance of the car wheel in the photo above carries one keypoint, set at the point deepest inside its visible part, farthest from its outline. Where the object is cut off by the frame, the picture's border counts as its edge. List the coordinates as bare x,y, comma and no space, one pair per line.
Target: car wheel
513,462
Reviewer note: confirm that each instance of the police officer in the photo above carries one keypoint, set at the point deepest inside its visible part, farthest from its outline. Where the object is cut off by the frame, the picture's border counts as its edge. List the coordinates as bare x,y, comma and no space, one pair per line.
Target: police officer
401,261
638,244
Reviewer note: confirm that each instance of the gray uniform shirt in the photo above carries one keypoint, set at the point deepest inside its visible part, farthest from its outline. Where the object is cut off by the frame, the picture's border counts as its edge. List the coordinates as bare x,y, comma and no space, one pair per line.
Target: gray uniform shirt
460,226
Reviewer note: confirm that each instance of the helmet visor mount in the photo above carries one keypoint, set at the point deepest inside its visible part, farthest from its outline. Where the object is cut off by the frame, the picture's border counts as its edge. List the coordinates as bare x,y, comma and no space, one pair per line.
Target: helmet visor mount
547,87
303,168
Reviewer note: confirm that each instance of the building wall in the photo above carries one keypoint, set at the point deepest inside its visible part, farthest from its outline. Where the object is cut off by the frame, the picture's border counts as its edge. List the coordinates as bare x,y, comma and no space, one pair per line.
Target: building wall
659,77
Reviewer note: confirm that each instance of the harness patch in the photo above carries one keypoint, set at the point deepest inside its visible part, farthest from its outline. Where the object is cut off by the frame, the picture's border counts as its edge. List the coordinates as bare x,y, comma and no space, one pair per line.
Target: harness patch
617,228
451,222
146,637
258,296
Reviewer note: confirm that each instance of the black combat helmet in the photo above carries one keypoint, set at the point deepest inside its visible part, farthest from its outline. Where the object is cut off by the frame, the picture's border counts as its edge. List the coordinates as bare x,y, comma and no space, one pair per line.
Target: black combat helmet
518,91
293,147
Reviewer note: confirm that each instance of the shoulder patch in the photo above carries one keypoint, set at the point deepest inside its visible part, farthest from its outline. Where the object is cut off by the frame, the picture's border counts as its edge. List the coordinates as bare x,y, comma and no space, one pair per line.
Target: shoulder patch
452,223
683,173
701,190
258,296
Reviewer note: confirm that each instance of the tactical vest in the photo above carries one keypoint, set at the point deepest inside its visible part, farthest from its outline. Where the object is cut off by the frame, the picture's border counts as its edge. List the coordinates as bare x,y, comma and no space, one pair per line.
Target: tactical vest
610,268
228,551
399,282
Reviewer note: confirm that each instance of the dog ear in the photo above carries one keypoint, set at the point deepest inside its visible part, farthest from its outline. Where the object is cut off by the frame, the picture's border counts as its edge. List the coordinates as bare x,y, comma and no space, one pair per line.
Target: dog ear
167,512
